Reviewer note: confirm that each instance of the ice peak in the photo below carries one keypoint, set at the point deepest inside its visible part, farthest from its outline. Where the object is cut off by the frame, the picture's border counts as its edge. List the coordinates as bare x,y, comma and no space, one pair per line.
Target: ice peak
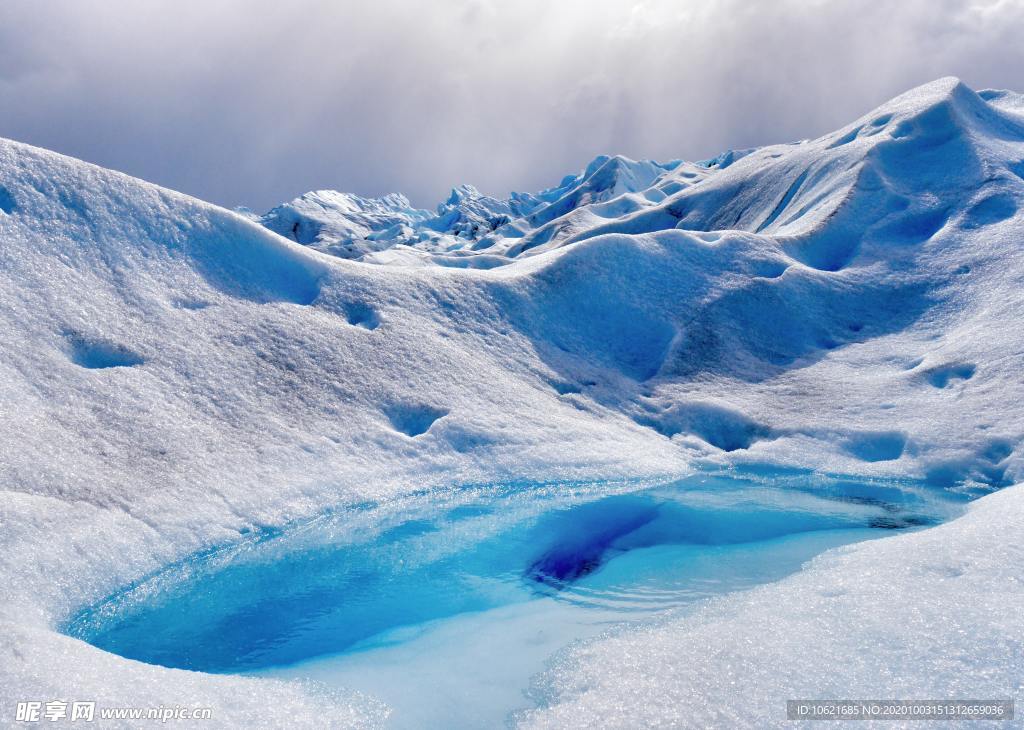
460,193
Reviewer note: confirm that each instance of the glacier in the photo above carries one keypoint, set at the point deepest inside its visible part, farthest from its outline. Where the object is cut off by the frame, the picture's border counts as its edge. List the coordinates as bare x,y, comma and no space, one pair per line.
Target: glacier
468,229
175,375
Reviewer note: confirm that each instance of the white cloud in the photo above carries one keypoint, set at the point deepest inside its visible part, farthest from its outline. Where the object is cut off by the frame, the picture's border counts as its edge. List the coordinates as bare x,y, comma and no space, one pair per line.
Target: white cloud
243,102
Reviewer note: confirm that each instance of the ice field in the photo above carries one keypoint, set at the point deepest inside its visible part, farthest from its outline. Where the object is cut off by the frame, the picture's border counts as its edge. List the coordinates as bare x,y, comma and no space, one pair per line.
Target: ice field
664,441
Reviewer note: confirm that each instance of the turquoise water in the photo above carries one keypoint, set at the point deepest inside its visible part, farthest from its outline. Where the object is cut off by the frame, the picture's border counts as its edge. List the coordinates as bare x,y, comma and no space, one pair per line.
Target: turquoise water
446,604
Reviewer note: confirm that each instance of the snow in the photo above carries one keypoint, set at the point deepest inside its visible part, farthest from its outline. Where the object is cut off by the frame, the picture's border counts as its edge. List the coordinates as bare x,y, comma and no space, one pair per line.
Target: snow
174,375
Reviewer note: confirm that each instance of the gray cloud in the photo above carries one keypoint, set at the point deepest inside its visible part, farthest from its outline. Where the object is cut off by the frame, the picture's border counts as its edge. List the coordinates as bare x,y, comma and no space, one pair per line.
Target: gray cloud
255,102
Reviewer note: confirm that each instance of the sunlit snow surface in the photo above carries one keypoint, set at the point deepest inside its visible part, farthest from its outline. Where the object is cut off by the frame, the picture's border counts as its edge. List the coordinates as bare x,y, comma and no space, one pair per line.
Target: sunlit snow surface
445,605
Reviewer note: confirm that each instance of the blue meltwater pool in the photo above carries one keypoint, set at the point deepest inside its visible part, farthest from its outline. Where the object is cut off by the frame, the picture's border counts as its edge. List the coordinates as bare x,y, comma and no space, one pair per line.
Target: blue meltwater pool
445,605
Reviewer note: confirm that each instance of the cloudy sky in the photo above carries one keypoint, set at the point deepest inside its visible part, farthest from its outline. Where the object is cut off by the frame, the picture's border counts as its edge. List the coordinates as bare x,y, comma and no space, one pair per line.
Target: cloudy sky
252,103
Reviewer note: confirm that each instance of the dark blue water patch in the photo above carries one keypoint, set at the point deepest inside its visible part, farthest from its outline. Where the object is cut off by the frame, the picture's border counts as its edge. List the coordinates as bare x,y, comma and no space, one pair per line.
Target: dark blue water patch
889,522
583,536
349,580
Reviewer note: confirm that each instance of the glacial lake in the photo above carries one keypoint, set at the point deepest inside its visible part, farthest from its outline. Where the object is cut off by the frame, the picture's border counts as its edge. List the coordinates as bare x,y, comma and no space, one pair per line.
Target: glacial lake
447,604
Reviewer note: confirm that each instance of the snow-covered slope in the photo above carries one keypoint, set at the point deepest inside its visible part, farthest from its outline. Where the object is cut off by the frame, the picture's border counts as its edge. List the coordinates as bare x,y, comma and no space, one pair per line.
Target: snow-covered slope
173,374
